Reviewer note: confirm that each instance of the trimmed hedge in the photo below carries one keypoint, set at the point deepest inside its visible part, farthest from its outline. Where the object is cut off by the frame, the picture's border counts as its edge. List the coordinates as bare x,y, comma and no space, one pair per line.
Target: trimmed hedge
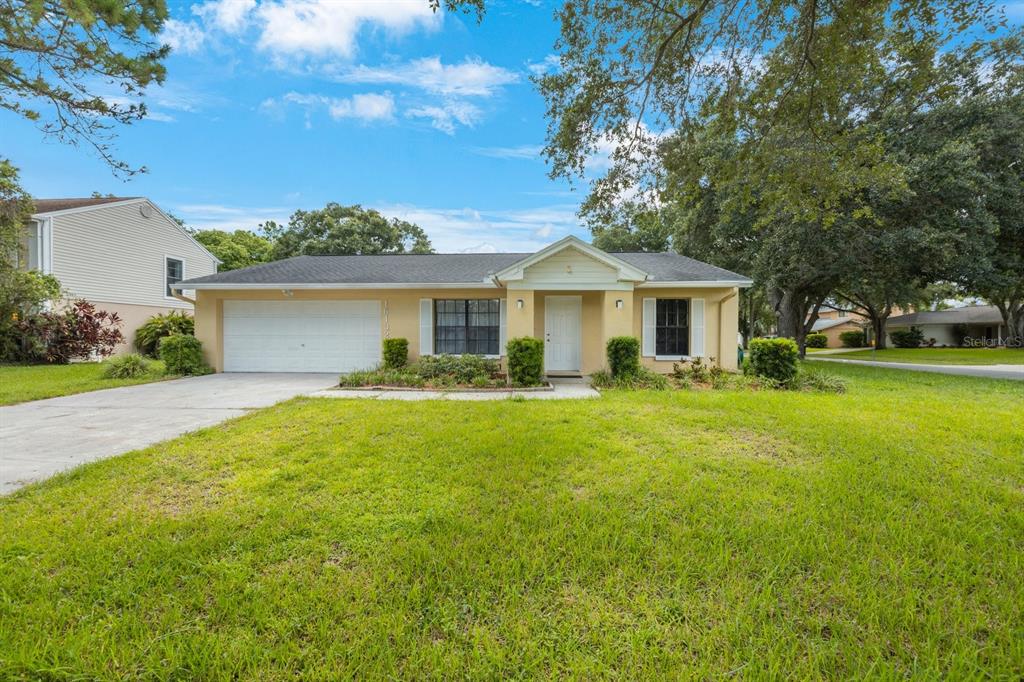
396,353
816,341
525,361
853,339
773,358
623,356
183,354
907,338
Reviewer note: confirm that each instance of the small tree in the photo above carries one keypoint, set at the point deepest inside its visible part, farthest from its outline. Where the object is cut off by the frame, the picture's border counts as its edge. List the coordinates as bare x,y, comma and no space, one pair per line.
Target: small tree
525,361
80,332
624,356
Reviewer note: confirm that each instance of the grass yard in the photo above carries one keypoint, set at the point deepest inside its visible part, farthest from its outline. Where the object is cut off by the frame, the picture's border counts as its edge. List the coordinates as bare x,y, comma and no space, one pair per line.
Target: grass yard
942,356
879,533
21,383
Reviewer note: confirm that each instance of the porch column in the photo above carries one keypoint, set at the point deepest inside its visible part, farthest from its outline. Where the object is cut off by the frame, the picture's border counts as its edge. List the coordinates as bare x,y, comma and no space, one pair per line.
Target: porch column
615,320
519,318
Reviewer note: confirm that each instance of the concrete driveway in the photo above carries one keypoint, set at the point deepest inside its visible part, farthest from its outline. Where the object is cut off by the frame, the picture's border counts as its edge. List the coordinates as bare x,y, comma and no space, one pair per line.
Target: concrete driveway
42,437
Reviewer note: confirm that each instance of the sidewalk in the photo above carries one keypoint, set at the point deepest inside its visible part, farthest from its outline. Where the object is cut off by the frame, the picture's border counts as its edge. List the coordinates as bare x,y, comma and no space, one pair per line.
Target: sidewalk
1015,372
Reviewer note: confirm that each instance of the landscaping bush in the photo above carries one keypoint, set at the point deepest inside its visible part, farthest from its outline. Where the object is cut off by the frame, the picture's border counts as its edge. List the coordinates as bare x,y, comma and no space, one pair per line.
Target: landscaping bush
773,358
183,354
147,336
813,379
853,339
396,353
525,361
432,371
907,338
816,341
79,332
623,356
130,366
382,377
458,369
643,378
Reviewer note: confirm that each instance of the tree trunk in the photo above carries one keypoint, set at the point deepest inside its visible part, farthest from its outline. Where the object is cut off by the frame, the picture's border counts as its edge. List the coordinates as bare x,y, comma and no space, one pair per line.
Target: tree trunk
878,329
1013,317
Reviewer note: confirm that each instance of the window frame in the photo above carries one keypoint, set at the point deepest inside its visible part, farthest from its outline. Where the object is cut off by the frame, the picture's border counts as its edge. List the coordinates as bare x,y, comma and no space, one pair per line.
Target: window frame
688,327
167,279
466,326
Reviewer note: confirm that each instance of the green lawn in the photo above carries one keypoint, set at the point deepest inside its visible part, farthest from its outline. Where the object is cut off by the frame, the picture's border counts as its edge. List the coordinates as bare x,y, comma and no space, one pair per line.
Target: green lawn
942,356
878,533
19,383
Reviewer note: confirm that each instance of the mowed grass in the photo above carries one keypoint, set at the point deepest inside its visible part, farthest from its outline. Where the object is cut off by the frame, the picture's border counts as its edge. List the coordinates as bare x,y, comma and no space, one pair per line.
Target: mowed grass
942,356
879,533
21,383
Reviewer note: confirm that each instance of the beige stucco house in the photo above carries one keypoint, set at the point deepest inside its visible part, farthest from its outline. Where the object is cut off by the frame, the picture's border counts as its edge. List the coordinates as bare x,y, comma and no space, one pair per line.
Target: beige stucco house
121,254
330,313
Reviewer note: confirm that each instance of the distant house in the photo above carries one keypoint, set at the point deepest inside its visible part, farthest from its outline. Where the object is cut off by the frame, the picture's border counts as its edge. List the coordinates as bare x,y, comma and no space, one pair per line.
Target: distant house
122,254
832,322
979,324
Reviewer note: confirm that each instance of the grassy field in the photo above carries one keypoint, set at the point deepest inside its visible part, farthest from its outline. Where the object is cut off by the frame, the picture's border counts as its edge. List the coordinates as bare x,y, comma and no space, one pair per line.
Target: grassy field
942,356
20,383
878,533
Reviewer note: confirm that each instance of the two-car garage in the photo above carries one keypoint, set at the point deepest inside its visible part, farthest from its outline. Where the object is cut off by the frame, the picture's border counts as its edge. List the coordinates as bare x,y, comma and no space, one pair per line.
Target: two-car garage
301,336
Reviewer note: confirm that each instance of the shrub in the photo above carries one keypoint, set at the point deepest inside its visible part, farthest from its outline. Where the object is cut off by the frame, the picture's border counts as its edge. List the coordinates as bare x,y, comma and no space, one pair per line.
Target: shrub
907,338
79,332
396,353
147,336
382,377
182,354
130,366
458,369
774,358
525,361
853,339
808,379
816,341
624,356
643,378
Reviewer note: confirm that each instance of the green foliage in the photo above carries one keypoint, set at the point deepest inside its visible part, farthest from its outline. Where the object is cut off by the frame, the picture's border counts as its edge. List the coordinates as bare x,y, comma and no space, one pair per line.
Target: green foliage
852,339
340,230
182,354
432,371
148,335
460,369
396,353
697,371
907,338
128,366
525,361
817,341
70,55
238,249
773,358
623,356
641,379
77,332
383,377
814,380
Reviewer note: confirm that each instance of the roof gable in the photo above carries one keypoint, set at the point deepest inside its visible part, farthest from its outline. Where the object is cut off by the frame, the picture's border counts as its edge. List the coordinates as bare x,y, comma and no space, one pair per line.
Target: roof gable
623,271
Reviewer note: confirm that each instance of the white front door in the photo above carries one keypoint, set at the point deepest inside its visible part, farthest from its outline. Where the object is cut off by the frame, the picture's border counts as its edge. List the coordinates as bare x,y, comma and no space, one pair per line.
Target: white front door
562,315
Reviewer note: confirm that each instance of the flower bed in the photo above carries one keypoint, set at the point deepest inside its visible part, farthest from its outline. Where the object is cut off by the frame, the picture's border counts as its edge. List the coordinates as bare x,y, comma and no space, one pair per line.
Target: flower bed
439,373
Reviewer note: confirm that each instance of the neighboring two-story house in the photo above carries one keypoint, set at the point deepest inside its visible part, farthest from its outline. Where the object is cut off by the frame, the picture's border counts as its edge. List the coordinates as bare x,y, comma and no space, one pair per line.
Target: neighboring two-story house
121,254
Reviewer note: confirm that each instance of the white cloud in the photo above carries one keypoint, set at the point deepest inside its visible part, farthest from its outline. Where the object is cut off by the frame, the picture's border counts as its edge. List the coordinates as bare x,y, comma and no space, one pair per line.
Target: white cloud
550,63
365,107
230,16
159,116
473,77
329,27
220,217
523,151
182,36
447,115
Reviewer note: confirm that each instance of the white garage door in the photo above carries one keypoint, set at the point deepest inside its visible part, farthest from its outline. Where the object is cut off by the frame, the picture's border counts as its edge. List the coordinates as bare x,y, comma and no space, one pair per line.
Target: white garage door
301,336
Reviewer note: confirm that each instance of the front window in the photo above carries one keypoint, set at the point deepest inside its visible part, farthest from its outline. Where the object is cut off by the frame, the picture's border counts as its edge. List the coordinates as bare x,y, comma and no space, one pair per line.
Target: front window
467,326
175,273
672,327
842,313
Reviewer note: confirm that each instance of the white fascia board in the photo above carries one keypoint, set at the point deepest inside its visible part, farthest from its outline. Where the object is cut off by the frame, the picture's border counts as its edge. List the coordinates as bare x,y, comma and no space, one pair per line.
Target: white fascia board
569,286
347,285
706,284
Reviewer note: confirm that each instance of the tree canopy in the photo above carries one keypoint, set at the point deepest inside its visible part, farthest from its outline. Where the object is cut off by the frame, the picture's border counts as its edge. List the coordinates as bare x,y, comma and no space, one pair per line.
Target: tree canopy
337,230
238,249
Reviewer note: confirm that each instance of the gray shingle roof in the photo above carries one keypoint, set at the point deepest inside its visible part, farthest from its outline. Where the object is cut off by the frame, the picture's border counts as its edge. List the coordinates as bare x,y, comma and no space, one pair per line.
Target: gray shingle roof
973,314
440,268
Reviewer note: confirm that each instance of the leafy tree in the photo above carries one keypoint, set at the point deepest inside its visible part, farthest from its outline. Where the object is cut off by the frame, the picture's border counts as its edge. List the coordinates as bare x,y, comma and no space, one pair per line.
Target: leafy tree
71,64
639,229
339,230
238,249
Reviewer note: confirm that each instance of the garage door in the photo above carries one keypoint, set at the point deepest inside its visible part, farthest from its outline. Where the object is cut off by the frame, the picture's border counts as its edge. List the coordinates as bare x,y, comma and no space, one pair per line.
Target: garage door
301,336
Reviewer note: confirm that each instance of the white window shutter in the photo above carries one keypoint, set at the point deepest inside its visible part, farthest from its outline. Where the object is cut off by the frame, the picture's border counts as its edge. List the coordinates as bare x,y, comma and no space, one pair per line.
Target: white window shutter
697,327
426,326
503,330
650,315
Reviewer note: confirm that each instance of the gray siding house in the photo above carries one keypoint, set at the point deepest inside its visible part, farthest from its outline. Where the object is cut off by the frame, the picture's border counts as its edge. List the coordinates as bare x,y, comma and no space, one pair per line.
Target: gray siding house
122,254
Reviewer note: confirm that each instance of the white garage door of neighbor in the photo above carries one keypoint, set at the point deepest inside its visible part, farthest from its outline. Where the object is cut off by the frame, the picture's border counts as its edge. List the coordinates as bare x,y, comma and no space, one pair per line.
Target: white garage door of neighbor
301,336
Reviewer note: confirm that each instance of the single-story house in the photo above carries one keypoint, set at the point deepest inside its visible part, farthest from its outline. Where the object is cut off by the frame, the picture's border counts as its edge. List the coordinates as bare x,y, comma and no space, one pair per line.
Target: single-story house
832,327
330,313
970,325
120,253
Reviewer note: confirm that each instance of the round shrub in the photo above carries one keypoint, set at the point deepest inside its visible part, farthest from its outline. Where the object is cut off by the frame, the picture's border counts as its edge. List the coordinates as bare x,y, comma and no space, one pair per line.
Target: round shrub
853,339
774,358
396,353
525,361
624,356
816,341
907,338
130,366
147,336
183,354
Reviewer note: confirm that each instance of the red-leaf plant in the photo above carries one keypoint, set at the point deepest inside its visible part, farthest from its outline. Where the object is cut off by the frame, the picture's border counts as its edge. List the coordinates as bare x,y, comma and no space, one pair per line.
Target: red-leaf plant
77,332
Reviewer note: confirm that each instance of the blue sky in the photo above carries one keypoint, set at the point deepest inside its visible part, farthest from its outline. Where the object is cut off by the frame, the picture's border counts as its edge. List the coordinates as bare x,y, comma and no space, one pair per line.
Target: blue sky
273,106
